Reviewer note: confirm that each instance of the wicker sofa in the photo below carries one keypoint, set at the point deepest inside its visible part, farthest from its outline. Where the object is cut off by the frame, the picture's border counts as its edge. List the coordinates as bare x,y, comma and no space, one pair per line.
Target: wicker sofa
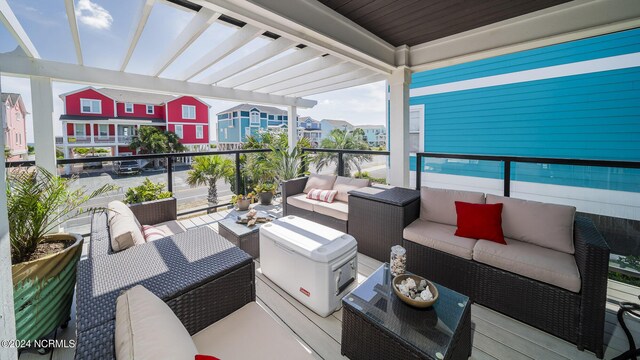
334,215
188,271
559,290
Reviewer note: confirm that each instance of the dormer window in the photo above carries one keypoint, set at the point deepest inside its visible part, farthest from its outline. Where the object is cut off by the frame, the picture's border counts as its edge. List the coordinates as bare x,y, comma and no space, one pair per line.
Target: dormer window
254,118
128,108
90,106
150,110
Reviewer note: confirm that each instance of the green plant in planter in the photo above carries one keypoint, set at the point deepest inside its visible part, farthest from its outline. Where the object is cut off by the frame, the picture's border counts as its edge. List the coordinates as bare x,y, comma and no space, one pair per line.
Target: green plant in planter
266,188
147,191
44,264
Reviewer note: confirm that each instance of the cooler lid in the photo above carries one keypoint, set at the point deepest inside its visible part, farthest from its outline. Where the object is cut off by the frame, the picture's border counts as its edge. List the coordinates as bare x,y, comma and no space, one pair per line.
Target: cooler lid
307,238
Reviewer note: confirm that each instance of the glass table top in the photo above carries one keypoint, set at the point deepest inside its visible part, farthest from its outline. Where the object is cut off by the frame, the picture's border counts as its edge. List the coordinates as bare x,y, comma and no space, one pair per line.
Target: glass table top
429,330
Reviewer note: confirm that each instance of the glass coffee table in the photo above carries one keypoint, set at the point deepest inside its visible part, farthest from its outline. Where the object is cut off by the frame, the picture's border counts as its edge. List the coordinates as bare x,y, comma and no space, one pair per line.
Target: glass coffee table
376,324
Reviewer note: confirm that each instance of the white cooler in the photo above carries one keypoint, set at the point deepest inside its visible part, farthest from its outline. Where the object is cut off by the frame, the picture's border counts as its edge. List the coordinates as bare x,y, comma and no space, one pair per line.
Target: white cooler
313,263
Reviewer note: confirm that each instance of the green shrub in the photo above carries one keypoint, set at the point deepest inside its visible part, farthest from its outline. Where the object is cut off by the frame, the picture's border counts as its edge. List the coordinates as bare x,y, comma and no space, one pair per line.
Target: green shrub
365,175
147,191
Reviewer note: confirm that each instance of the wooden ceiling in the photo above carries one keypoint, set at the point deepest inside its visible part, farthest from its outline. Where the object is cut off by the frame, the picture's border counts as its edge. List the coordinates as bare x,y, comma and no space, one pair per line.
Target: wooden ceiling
412,22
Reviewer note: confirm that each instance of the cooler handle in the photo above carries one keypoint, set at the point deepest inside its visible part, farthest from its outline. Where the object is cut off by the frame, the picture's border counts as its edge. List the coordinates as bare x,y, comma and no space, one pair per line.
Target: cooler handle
282,247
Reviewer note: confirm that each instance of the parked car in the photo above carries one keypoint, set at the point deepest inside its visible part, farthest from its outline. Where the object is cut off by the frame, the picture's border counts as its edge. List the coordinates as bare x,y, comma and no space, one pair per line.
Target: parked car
92,165
128,167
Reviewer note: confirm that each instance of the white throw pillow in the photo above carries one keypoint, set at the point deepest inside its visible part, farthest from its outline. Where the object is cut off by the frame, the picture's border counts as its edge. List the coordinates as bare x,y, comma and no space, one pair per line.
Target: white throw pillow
124,229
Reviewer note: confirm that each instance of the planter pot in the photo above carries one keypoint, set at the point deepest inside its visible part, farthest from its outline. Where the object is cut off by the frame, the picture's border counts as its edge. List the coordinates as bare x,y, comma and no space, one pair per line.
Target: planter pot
265,198
43,289
243,204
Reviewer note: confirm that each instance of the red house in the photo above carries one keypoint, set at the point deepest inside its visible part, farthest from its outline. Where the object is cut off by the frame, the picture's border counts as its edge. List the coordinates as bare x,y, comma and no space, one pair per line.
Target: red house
111,118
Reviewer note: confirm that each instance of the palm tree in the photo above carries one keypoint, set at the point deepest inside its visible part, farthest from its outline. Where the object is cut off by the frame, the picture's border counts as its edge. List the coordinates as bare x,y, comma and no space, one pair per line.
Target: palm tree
151,140
207,170
342,139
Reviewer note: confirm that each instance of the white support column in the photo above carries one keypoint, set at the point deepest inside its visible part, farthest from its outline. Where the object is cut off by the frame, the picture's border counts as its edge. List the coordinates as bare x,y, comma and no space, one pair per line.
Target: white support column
399,127
7,315
292,127
45,141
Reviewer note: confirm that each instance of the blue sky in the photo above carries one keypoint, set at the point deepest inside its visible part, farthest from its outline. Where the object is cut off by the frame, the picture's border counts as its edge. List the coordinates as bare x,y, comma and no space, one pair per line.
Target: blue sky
105,27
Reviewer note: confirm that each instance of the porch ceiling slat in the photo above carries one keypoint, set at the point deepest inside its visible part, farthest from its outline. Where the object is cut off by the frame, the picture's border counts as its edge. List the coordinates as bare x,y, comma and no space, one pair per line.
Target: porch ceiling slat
337,79
133,42
347,84
310,77
233,43
274,48
289,61
200,22
17,31
73,26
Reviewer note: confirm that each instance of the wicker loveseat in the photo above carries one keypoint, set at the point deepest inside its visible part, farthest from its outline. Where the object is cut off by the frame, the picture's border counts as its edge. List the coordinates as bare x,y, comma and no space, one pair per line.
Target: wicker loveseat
201,276
557,287
334,215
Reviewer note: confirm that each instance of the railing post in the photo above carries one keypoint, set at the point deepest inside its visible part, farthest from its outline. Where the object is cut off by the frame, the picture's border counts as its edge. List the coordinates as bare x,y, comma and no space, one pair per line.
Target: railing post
340,164
507,178
170,174
238,179
305,165
418,171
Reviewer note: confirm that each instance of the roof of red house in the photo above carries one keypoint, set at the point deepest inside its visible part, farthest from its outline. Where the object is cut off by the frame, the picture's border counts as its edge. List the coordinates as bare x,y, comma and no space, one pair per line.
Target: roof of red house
135,96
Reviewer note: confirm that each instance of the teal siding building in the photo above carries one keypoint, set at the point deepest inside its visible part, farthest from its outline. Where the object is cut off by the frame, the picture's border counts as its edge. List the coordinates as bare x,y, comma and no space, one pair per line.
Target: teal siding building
579,99
238,122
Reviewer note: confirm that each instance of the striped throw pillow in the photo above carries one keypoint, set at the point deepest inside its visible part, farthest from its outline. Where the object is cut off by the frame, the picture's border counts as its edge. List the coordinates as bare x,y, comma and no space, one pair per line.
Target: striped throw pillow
322,195
152,233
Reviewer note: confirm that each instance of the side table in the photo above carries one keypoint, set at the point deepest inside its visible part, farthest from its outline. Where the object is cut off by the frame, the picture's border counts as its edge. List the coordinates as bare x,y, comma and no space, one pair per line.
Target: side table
378,215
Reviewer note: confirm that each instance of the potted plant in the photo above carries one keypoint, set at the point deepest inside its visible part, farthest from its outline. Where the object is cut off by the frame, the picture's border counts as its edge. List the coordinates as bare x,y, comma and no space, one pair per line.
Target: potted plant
265,192
44,264
242,201
149,199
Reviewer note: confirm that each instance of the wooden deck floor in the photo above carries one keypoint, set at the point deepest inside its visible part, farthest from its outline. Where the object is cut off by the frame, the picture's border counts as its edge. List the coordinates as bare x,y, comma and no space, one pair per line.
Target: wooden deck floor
495,336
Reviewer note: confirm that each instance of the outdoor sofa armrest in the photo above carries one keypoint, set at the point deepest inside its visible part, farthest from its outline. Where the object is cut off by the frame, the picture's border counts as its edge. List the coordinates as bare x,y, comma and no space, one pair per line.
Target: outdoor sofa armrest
155,212
592,258
99,243
290,188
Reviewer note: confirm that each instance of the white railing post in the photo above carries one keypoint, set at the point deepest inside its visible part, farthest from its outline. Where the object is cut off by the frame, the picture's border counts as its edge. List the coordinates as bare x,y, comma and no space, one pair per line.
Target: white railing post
399,127
292,127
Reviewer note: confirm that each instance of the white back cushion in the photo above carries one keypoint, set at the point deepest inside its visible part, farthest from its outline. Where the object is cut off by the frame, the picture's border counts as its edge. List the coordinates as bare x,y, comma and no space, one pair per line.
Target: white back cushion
317,181
438,205
345,184
124,229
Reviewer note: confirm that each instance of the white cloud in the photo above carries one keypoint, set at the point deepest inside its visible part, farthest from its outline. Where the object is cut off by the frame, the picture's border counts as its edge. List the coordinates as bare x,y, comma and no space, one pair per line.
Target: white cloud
93,15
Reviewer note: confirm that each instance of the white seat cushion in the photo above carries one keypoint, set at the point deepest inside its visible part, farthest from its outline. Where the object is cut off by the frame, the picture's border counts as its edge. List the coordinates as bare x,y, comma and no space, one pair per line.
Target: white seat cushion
336,209
317,181
146,328
249,333
440,237
547,225
124,229
171,227
438,205
301,201
533,261
345,184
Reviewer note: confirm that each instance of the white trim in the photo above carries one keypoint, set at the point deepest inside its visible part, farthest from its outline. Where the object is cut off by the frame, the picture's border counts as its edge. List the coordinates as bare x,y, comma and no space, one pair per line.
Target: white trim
314,76
153,109
420,131
175,130
201,128
142,18
73,26
188,107
8,18
347,84
333,80
308,67
18,64
550,72
92,101
132,107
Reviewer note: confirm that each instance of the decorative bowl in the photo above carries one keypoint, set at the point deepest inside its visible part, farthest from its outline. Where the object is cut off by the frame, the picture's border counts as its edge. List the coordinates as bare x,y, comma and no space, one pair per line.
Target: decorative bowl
415,303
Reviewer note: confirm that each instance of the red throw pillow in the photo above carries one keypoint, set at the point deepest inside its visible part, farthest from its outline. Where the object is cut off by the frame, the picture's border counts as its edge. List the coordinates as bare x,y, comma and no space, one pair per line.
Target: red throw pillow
322,195
206,357
480,221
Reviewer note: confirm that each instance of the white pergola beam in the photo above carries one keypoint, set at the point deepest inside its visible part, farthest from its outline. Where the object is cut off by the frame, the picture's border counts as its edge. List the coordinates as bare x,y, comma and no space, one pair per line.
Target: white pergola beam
15,64
145,11
233,43
313,24
73,26
266,52
337,79
343,85
12,24
293,72
200,22
311,77
286,62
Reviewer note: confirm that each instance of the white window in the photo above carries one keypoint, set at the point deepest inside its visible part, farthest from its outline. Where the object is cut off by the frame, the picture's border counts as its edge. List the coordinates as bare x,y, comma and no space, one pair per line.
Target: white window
149,109
90,106
103,131
80,130
416,124
128,107
178,131
188,112
199,132
254,119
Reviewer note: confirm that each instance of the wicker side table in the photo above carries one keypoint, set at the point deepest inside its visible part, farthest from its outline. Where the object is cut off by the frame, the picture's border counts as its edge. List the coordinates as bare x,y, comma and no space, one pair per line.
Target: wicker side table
378,215
246,238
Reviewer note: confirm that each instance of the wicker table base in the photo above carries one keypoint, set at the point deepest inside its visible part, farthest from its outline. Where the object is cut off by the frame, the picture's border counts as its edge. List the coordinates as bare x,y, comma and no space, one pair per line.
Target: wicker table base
249,242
